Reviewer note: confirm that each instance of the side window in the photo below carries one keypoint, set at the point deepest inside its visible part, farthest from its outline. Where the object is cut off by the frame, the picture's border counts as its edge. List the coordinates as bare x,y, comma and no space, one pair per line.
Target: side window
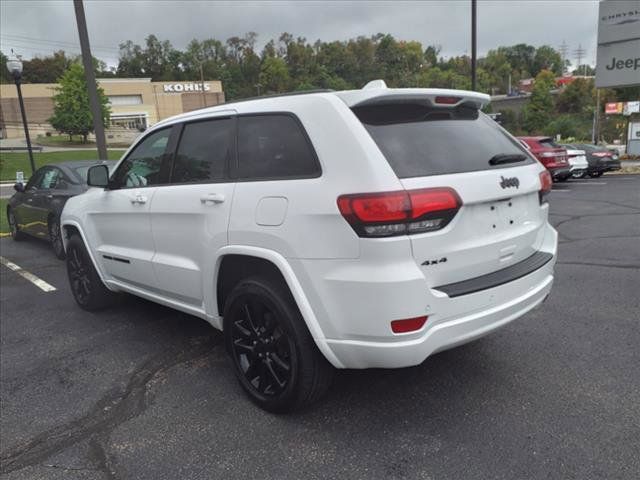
50,178
203,151
142,167
274,146
36,179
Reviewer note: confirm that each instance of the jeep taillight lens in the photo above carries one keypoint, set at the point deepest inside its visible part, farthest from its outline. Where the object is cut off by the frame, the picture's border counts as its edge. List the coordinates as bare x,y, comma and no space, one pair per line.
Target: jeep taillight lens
545,185
402,212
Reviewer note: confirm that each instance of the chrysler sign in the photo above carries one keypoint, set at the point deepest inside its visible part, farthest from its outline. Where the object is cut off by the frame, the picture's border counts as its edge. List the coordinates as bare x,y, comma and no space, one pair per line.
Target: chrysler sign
618,62
186,87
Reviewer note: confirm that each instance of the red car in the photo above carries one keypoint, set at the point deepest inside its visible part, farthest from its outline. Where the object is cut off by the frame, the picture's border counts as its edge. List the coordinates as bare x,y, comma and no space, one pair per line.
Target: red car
550,154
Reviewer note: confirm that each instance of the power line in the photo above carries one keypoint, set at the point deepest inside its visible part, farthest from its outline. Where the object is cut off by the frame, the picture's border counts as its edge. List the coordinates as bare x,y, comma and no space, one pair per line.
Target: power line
24,38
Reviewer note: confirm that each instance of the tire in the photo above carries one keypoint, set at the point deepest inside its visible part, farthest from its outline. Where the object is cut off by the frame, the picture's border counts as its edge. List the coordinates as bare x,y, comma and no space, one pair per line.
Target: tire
55,235
16,234
274,356
87,287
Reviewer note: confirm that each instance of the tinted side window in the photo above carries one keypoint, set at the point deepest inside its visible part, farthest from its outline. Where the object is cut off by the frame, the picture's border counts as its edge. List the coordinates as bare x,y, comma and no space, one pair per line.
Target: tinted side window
36,179
274,146
142,167
203,151
50,178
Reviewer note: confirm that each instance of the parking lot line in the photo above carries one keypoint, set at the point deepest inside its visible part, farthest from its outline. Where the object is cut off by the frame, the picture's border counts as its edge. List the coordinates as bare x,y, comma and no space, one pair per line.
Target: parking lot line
38,282
588,183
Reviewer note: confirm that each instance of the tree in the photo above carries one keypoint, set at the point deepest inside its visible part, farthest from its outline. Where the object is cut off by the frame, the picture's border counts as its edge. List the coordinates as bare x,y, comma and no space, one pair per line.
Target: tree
577,97
540,108
274,75
546,58
5,76
71,112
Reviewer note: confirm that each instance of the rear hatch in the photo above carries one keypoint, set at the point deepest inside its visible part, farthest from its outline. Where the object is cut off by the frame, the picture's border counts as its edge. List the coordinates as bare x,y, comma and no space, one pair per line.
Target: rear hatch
500,222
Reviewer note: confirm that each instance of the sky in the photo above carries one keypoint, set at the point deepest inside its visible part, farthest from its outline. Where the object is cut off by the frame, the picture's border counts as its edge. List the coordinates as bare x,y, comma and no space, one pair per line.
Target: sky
34,27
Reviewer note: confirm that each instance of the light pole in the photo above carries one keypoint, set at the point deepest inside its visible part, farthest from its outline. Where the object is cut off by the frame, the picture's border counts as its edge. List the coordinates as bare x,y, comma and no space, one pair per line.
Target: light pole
14,65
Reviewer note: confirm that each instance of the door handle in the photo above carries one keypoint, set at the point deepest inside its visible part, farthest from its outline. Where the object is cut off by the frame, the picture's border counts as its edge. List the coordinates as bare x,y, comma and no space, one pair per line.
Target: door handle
49,196
139,199
29,200
212,198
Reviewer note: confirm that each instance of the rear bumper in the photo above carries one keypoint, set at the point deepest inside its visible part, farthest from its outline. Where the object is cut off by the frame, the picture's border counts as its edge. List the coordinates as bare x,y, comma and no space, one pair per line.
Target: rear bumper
355,302
447,333
560,173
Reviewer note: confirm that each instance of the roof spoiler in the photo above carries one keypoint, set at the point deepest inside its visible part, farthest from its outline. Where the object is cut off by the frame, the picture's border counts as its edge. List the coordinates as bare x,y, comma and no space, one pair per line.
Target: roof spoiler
428,100
376,93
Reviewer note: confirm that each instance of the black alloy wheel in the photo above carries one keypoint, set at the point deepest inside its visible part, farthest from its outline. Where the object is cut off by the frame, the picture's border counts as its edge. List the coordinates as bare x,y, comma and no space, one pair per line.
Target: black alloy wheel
55,235
261,348
16,234
274,356
79,275
86,285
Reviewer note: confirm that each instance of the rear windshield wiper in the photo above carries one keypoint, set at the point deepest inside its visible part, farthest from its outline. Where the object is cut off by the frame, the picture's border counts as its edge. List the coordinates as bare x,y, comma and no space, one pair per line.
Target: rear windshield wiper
502,158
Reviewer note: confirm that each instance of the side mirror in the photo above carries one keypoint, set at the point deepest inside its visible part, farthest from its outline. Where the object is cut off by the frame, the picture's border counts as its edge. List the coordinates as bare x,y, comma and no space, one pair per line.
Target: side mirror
19,187
98,176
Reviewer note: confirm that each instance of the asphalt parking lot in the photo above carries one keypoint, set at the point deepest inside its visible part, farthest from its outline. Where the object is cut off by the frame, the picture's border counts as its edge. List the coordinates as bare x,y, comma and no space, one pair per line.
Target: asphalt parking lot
143,392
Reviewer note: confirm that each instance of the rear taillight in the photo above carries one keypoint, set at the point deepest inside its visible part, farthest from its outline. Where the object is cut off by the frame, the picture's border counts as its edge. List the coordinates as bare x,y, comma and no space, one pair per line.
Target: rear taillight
545,185
399,213
408,325
601,154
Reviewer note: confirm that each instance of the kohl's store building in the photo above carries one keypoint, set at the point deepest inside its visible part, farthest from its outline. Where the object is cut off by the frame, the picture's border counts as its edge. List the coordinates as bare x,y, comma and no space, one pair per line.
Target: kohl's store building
136,104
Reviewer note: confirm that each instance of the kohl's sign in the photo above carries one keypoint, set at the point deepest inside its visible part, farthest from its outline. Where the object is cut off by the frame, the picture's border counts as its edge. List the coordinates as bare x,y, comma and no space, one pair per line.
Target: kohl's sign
186,87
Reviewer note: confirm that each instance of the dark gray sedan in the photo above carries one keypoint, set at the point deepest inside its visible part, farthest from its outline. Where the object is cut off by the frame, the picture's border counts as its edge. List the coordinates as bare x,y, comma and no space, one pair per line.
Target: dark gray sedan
35,207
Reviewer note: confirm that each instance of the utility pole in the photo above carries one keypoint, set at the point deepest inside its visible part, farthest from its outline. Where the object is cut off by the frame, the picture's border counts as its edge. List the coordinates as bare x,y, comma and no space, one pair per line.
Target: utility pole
473,43
596,119
204,95
87,61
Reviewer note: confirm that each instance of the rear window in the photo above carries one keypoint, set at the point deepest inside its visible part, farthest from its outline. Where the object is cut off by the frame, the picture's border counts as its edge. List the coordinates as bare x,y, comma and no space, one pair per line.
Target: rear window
274,146
419,141
549,143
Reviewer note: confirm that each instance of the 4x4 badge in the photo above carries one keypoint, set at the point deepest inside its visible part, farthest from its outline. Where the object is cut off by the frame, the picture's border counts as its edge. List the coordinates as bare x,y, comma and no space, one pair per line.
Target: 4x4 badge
434,262
509,182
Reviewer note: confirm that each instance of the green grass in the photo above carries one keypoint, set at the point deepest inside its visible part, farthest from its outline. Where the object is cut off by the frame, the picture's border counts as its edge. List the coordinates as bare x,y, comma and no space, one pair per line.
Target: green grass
4,224
11,162
62,141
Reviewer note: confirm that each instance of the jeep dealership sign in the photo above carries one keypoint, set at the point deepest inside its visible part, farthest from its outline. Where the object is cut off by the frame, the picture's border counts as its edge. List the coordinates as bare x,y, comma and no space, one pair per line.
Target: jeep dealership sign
186,87
618,62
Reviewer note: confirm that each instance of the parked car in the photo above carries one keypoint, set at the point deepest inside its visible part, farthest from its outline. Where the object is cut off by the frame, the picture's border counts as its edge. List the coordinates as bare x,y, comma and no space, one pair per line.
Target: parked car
600,159
353,229
35,208
550,154
577,160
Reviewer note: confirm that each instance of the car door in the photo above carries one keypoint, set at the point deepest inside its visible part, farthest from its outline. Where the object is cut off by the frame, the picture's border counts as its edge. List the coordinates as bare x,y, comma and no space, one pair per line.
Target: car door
23,209
121,223
42,198
189,217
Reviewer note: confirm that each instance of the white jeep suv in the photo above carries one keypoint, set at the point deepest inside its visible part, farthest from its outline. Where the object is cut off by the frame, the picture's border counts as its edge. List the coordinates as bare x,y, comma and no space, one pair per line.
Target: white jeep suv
353,229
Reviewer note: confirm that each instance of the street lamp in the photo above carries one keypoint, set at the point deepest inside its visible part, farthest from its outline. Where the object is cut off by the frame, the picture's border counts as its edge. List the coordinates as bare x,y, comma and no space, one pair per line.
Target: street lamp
14,65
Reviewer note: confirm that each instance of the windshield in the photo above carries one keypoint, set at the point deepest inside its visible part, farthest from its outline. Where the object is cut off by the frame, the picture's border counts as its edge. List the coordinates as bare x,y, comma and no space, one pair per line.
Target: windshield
419,141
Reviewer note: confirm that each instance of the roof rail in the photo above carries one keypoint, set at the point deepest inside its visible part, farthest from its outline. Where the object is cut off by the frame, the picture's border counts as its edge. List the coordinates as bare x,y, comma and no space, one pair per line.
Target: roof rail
275,95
